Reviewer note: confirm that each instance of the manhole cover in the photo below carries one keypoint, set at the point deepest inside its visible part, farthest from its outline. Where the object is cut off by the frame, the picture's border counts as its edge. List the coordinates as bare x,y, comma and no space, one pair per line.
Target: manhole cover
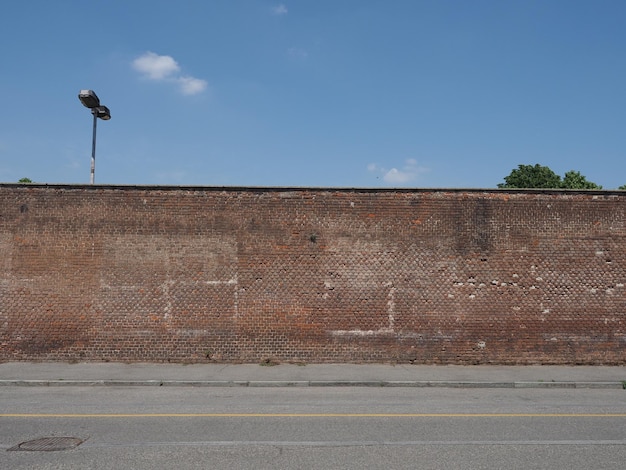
49,444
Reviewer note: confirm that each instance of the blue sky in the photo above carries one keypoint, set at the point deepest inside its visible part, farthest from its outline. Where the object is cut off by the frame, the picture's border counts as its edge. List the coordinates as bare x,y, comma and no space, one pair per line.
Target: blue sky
349,93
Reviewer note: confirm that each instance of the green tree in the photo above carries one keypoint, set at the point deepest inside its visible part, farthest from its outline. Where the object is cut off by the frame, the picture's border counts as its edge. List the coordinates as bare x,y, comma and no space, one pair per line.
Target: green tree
529,176
537,176
622,187
25,180
574,180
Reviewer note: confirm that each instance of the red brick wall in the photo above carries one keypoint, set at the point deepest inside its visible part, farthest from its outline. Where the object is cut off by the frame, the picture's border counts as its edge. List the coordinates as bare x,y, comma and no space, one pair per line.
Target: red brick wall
313,275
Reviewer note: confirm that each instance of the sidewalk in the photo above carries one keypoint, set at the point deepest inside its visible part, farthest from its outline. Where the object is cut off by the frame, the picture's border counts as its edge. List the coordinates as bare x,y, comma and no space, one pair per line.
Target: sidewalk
310,375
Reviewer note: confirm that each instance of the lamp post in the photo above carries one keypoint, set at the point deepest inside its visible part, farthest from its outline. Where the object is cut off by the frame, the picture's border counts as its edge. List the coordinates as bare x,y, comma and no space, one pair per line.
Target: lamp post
90,100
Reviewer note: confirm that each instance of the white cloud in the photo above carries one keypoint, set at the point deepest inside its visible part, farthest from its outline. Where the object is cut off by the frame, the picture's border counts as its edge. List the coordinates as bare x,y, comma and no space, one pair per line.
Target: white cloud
154,66
279,10
409,172
191,85
164,68
397,176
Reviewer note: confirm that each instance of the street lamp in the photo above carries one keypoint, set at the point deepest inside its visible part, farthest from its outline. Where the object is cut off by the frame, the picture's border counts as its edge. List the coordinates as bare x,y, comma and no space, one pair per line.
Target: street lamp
90,100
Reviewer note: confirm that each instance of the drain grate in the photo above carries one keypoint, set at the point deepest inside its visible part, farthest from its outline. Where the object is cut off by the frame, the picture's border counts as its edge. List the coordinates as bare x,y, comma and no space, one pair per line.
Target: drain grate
49,444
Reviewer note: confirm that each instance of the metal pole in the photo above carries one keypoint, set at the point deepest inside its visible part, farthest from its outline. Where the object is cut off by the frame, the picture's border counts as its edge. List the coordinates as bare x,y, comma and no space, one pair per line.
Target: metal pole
93,147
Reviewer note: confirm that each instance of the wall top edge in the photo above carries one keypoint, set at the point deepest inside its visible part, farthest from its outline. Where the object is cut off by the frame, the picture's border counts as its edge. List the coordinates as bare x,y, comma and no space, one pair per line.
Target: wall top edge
123,187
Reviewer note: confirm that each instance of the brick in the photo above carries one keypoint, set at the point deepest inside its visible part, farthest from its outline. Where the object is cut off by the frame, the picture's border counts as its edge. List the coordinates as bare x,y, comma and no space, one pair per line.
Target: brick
313,275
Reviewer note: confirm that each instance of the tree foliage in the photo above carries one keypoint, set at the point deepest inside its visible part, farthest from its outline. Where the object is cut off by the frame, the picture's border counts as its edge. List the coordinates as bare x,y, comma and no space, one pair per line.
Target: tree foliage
574,180
529,176
538,176
25,180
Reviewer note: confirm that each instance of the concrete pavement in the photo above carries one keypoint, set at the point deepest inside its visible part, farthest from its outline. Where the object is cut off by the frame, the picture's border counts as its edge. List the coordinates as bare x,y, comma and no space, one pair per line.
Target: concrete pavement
310,375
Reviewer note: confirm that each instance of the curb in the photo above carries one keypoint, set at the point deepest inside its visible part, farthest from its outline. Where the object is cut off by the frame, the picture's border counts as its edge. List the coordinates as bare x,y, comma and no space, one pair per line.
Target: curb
308,383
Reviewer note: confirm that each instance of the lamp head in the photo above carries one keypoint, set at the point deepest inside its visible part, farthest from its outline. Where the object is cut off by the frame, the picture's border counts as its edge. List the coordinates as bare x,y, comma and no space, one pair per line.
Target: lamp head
102,112
89,98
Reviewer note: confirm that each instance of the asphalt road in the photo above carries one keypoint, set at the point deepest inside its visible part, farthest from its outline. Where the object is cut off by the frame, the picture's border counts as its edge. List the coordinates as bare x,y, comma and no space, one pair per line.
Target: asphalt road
270,428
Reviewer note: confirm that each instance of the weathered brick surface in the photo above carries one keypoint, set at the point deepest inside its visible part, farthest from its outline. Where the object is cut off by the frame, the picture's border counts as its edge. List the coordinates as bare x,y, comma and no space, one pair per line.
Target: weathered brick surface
314,275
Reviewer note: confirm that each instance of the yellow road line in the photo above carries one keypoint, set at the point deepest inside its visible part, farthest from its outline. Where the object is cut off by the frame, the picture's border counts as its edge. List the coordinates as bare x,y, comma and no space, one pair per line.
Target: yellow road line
312,415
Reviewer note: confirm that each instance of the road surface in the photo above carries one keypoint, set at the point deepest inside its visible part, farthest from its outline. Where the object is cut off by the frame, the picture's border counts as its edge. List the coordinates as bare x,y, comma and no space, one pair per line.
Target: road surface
326,427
